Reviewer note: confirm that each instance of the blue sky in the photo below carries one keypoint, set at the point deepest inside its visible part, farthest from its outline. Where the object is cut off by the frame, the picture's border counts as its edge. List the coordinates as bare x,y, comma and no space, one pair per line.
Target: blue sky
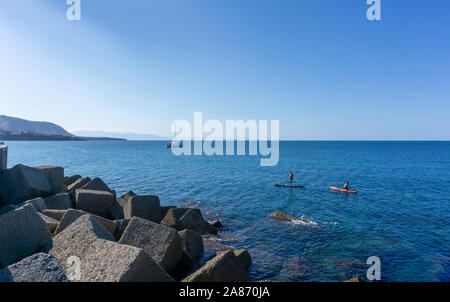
318,66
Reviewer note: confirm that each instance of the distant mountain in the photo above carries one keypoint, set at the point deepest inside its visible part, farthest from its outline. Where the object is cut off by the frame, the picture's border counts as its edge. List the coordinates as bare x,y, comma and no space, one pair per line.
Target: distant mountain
127,135
14,125
31,136
17,129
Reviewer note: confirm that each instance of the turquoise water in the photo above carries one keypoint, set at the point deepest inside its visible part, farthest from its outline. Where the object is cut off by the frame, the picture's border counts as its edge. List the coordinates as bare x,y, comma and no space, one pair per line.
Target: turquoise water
401,212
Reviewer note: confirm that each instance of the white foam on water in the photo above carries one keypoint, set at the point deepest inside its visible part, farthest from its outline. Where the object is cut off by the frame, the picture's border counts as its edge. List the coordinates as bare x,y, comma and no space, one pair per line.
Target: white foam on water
303,221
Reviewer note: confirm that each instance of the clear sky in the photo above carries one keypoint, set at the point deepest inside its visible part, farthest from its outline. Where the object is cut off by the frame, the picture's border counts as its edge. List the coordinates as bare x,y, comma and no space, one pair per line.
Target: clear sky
318,66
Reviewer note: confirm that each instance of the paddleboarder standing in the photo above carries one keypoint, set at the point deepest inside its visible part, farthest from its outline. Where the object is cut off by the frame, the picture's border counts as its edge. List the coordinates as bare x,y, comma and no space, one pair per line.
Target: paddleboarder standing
346,185
291,177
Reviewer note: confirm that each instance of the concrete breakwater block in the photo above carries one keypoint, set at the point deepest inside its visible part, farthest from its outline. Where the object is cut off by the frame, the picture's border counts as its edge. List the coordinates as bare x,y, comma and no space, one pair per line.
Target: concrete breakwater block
60,201
116,210
161,242
143,206
36,268
77,184
192,245
96,184
186,218
225,267
55,214
22,232
22,183
95,202
121,226
70,180
107,261
7,208
101,258
38,203
72,215
51,222
55,177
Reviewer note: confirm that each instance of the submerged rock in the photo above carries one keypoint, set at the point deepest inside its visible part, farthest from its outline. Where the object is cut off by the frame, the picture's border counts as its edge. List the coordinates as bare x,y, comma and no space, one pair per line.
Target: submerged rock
296,269
286,217
212,247
283,216
355,279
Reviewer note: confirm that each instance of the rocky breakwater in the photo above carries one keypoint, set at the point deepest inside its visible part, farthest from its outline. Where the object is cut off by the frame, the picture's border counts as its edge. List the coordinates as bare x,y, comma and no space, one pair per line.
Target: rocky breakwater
58,229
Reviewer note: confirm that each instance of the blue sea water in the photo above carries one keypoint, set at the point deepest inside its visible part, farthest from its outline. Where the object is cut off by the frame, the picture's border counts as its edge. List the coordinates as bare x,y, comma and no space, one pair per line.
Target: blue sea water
401,212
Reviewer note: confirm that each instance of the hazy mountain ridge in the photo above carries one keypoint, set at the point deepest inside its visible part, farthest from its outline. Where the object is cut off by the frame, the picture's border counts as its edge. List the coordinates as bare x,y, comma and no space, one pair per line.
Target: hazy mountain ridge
15,125
126,135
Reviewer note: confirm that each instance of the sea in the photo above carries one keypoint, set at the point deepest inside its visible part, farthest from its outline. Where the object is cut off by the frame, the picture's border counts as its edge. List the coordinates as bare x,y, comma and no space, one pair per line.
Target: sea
401,213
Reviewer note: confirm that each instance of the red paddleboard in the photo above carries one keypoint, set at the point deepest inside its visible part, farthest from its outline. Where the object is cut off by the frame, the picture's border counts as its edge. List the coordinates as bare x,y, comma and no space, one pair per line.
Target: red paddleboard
343,190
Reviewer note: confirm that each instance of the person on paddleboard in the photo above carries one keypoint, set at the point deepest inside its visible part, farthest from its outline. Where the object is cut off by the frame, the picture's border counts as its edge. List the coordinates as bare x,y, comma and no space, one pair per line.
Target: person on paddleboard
291,177
346,185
